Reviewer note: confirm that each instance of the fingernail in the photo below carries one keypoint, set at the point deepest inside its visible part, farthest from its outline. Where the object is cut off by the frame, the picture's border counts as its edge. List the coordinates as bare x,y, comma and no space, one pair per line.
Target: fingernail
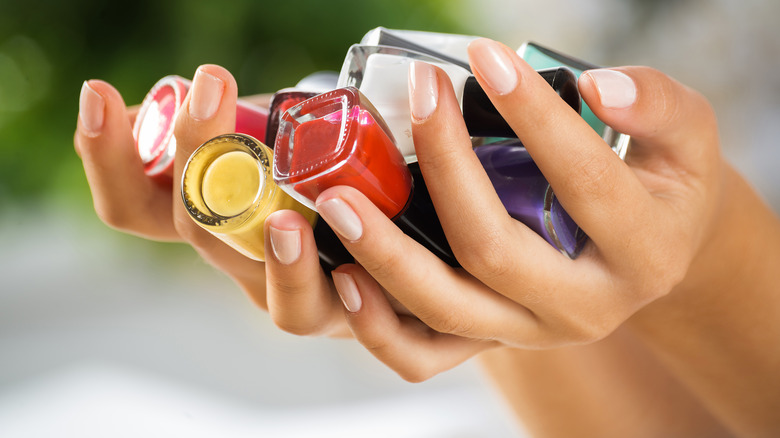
493,63
286,245
341,218
616,89
348,291
423,90
206,95
92,109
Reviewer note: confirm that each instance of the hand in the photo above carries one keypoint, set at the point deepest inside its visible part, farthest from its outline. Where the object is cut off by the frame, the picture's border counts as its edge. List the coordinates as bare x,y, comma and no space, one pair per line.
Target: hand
646,217
301,299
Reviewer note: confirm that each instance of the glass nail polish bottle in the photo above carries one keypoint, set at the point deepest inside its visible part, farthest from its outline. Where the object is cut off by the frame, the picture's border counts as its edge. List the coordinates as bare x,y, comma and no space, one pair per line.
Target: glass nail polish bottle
228,189
528,197
540,57
339,138
452,48
281,101
319,81
381,74
309,86
154,125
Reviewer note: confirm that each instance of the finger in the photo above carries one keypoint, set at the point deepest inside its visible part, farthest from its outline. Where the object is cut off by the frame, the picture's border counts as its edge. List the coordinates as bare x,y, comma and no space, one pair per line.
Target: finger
261,100
508,257
673,151
488,243
446,299
591,182
665,119
132,112
301,299
403,343
209,110
124,197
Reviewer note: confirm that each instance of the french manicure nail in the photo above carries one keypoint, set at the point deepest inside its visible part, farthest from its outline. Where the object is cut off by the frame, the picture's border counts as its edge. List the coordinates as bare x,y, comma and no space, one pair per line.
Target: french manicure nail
286,245
423,90
616,89
341,218
206,95
92,109
493,63
348,291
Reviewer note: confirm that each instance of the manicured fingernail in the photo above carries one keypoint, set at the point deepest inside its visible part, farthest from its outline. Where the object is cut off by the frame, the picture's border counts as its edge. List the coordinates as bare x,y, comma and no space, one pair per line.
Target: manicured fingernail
348,291
616,89
423,90
341,218
493,63
92,110
206,95
286,245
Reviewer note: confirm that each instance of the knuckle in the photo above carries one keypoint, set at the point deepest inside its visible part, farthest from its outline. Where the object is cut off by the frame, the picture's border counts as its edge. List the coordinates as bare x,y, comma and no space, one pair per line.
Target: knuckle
116,217
375,344
449,322
582,330
662,264
486,258
197,237
669,103
593,179
416,374
386,259
444,158
294,325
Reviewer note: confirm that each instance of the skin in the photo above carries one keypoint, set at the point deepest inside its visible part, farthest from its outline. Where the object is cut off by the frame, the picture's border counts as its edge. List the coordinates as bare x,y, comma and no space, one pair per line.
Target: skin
675,287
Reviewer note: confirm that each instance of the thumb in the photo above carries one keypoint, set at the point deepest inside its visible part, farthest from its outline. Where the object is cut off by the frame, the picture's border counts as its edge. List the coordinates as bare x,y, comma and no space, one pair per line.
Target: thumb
658,112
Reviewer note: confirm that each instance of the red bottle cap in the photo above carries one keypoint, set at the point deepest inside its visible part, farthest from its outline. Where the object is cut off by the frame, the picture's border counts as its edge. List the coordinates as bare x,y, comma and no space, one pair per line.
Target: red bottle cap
338,138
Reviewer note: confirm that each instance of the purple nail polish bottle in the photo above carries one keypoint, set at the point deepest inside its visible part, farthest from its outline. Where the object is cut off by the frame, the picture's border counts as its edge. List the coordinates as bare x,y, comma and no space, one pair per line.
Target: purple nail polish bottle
528,197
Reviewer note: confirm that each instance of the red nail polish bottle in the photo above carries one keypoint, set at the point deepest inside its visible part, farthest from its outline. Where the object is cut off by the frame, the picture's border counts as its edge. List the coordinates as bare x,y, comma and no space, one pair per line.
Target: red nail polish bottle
338,138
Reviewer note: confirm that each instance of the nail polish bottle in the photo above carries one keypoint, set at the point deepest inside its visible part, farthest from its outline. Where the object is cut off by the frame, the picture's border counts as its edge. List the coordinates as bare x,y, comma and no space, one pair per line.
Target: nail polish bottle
381,74
528,197
339,138
319,81
281,101
452,48
309,86
154,125
228,189
540,57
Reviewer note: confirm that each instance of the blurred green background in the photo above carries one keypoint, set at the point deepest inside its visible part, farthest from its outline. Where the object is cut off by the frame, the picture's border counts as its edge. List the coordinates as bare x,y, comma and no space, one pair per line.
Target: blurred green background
48,48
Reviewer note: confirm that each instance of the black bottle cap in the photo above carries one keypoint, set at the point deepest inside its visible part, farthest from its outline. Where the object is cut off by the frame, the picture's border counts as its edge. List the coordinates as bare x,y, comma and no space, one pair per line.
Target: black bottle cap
483,119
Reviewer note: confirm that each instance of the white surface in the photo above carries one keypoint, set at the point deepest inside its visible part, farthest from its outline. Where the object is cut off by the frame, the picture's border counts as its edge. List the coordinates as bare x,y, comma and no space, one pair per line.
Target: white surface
101,400
100,336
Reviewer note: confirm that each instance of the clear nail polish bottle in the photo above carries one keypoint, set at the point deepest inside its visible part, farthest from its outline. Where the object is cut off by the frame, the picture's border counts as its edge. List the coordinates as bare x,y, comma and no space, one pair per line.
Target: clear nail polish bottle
452,48
381,74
